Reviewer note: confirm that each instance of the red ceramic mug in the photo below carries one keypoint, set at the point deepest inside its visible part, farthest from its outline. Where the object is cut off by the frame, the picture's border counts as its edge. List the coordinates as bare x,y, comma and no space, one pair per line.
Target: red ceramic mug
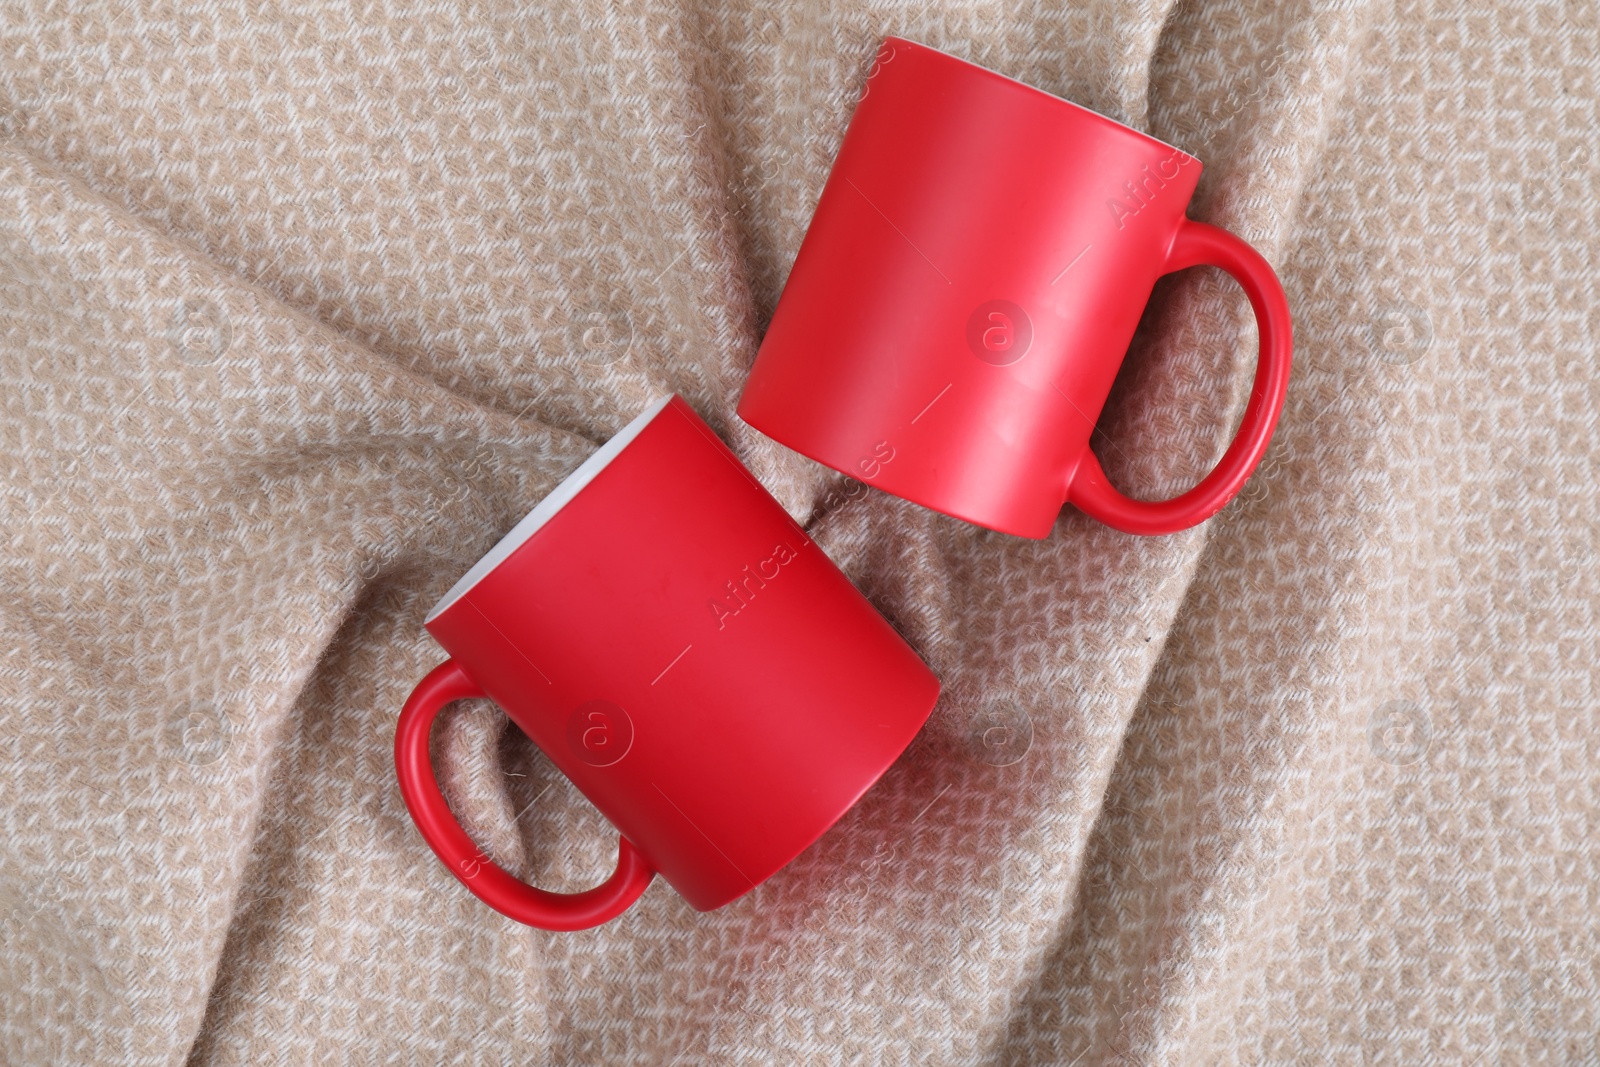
686,655
967,290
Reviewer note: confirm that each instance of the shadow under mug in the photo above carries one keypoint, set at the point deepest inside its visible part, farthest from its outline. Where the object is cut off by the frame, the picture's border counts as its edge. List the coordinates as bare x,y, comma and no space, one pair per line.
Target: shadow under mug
682,651
967,290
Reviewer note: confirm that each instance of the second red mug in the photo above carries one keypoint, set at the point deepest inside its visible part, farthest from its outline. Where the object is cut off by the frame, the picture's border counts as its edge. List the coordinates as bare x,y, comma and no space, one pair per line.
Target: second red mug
967,290
682,651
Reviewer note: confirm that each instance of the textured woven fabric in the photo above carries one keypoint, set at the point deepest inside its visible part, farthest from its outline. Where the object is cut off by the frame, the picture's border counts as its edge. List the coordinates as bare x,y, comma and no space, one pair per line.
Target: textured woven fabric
303,305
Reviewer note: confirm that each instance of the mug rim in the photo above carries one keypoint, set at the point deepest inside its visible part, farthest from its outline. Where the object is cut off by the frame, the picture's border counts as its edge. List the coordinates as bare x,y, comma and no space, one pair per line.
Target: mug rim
549,506
1042,92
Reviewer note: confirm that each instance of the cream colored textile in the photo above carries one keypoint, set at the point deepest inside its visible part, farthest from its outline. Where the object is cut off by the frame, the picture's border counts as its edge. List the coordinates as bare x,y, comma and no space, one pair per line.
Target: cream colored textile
302,305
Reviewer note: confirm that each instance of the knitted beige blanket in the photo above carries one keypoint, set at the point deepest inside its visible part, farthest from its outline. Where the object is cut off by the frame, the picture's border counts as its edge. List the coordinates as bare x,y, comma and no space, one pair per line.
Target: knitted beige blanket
304,304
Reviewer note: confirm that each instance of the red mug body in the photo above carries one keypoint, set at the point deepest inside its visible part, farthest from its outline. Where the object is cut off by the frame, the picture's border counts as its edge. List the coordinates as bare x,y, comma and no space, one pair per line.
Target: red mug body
683,652
970,282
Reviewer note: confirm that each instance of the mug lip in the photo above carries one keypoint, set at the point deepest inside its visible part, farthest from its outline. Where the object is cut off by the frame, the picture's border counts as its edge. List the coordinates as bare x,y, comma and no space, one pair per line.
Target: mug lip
1041,92
549,507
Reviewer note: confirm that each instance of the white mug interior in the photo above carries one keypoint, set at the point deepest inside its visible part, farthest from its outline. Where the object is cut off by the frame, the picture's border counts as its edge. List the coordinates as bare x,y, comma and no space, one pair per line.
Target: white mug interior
549,507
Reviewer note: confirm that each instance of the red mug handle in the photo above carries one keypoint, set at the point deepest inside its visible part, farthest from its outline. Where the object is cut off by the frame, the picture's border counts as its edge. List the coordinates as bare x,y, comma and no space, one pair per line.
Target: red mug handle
1198,243
489,883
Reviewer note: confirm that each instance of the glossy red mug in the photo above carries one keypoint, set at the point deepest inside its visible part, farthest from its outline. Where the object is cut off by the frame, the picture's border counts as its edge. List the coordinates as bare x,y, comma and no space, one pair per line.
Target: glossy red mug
967,290
682,651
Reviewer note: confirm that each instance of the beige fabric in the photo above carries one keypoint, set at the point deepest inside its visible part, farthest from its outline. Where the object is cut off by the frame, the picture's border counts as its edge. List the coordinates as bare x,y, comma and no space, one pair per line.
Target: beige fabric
302,305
